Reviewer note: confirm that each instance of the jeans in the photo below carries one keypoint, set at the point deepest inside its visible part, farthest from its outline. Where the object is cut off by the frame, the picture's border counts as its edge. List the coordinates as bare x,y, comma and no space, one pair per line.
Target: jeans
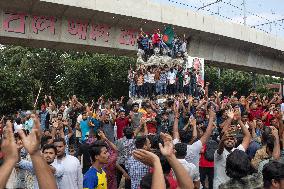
132,89
163,88
140,91
158,88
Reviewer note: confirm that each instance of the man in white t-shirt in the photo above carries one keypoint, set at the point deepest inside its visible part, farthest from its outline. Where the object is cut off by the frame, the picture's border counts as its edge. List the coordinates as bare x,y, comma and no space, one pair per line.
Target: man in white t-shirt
181,151
193,150
18,125
226,146
186,82
72,176
147,82
171,81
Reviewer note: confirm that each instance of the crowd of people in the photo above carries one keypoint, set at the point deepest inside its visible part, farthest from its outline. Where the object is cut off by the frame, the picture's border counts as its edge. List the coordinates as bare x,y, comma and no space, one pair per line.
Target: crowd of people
167,42
163,80
163,67
186,141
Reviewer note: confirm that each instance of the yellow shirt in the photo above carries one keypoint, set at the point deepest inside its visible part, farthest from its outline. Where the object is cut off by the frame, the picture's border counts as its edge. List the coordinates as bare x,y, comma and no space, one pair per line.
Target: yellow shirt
142,111
93,179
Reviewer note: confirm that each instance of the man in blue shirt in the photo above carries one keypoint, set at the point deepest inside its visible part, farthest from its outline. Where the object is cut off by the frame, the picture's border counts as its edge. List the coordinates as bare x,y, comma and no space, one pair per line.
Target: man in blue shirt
44,118
84,126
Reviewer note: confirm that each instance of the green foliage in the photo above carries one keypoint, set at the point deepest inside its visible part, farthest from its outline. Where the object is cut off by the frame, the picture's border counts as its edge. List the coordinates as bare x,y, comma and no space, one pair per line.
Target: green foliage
230,80
61,74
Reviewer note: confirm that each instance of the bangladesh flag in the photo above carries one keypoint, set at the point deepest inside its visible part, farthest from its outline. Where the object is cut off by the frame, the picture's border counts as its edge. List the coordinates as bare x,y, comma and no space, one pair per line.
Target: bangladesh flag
168,36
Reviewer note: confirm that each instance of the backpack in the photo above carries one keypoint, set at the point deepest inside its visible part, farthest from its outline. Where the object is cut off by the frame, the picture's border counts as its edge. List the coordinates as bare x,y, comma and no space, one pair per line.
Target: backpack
211,147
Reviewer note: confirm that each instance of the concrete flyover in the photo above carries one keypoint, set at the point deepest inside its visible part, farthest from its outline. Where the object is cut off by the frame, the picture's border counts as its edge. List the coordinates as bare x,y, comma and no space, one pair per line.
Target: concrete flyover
111,26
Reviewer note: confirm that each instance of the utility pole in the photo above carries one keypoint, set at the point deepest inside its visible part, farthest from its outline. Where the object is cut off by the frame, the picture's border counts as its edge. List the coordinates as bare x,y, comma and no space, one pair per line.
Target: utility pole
245,12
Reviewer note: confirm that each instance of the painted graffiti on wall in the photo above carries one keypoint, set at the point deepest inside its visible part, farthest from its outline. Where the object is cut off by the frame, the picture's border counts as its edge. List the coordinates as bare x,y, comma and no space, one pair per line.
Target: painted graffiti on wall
14,22
22,23
41,23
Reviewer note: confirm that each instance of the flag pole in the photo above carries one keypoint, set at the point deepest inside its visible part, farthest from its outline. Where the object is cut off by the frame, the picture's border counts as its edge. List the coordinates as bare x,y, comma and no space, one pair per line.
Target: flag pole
37,98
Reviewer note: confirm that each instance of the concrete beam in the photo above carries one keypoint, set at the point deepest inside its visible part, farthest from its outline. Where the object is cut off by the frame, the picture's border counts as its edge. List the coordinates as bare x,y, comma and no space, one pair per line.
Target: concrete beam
236,57
168,14
34,28
86,29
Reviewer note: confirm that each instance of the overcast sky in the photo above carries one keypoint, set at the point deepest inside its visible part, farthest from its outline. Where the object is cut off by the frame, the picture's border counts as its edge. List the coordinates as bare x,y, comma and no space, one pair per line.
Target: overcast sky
258,12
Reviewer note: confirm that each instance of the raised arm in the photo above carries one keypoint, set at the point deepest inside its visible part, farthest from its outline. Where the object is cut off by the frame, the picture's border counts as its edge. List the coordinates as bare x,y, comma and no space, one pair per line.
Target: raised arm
175,127
227,123
52,103
184,180
206,90
150,159
209,130
252,126
11,156
70,131
188,124
276,148
113,116
191,122
142,124
218,102
45,101
246,133
62,134
43,172
76,102
104,138
221,146
194,131
53,132
201,103
247,105
183,108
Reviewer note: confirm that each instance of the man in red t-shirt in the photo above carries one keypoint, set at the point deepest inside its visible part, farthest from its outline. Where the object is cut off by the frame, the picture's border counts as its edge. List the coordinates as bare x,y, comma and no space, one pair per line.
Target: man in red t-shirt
268,115
121,122
206,169
150,119
255,112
